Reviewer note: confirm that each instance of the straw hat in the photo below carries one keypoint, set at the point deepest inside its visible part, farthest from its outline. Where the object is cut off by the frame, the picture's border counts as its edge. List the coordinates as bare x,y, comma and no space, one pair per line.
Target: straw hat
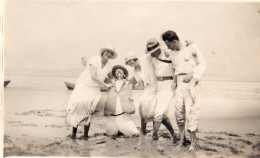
130,56
109,48
152,45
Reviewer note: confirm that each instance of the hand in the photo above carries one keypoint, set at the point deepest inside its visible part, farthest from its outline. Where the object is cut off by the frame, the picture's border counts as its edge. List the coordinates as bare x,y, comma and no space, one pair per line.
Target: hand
187,78
109,85
189,42
174,85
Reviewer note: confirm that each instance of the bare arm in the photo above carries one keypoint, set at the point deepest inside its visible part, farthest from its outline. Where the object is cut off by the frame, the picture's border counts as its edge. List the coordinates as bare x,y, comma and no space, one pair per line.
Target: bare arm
93,72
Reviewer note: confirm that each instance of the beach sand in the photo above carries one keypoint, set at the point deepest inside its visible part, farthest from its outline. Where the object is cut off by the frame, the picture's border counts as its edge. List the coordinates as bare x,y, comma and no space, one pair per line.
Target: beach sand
44,133
35,126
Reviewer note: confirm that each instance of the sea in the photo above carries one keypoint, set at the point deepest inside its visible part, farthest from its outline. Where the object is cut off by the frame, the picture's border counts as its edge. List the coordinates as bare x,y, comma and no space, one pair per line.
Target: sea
225,105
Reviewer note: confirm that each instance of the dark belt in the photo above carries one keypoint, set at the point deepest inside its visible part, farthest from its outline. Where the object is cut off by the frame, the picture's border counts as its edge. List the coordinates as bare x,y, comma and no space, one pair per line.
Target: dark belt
117,114
182,74
163,78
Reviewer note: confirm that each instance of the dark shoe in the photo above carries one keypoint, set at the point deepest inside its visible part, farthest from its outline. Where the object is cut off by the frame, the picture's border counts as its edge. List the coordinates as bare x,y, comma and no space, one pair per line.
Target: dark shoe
84,137
74,132
72,136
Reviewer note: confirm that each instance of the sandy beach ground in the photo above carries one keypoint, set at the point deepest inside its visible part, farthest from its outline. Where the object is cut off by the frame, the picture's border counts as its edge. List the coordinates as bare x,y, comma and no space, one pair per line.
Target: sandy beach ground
35,126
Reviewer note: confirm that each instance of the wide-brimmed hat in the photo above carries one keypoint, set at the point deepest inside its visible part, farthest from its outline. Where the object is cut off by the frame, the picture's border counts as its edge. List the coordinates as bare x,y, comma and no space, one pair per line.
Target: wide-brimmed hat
130,56
119,67
152,45
109,48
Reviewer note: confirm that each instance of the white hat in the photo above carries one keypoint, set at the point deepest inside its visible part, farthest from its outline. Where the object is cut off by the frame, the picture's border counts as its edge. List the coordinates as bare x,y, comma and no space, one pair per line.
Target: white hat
152,45
130,56
109,48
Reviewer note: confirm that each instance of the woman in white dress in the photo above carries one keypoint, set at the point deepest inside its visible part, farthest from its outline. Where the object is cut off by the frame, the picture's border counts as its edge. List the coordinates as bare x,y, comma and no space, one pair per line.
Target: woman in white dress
86,94
142,70
157,96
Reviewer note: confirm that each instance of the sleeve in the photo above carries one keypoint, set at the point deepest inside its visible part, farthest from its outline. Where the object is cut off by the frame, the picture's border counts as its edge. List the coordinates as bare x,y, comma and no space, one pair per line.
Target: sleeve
94,61
201,64
130,72
149,71
133,74
132,81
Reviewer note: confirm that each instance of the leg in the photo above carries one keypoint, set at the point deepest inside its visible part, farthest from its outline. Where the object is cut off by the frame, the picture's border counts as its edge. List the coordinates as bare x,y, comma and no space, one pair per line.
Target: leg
74,132
182,135
180,114
127,126
167,123
193,141
156,126
86,130
111,126
193,114
143,126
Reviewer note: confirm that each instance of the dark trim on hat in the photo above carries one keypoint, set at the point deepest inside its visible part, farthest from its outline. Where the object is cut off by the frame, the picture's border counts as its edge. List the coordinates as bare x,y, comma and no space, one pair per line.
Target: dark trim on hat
153,47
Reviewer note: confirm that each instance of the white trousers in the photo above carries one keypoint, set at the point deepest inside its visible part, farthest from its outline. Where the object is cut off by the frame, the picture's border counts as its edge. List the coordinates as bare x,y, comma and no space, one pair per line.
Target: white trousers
187,104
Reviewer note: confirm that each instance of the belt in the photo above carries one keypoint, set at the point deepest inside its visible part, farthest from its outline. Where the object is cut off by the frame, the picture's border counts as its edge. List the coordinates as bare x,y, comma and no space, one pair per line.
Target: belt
182,74
163,78
117,114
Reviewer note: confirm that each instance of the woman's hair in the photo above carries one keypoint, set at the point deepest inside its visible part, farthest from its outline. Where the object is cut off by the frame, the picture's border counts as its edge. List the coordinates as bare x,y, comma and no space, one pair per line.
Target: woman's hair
119,67
108,51
170,36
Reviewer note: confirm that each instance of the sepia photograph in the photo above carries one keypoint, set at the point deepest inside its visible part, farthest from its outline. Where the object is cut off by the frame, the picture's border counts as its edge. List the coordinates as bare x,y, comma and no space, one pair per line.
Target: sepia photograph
85,78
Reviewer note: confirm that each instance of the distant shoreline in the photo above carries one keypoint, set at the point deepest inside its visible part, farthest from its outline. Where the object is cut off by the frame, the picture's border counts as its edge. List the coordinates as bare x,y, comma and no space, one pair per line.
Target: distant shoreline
8,76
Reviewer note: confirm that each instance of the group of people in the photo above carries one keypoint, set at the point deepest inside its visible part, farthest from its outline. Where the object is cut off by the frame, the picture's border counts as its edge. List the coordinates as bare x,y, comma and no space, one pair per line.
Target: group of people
169,74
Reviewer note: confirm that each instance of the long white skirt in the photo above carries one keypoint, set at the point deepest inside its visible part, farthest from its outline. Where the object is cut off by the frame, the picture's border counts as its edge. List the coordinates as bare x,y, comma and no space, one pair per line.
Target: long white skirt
121,123
164,98
82,104
155,101
148,103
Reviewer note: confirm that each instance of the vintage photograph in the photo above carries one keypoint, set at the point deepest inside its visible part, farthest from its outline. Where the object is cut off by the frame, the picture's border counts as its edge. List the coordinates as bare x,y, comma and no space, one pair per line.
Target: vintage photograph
130,78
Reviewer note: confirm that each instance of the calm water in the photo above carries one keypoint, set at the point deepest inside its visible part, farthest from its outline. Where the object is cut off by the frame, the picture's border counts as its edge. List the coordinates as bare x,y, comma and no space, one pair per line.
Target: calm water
224,105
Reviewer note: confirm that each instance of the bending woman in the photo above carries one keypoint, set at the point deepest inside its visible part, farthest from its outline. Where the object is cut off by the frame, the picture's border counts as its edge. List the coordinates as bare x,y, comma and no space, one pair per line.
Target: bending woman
86,95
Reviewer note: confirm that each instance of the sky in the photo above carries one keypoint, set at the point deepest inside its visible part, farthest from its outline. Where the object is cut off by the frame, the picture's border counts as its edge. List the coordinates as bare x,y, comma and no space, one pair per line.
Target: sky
48,38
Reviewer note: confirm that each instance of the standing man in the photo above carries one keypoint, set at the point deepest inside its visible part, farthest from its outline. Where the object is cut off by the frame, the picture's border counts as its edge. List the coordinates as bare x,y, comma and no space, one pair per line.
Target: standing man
163,73
189,65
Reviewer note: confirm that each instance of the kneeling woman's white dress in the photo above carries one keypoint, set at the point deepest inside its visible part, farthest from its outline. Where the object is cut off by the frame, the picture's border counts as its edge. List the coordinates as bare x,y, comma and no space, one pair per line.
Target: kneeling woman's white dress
86,95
